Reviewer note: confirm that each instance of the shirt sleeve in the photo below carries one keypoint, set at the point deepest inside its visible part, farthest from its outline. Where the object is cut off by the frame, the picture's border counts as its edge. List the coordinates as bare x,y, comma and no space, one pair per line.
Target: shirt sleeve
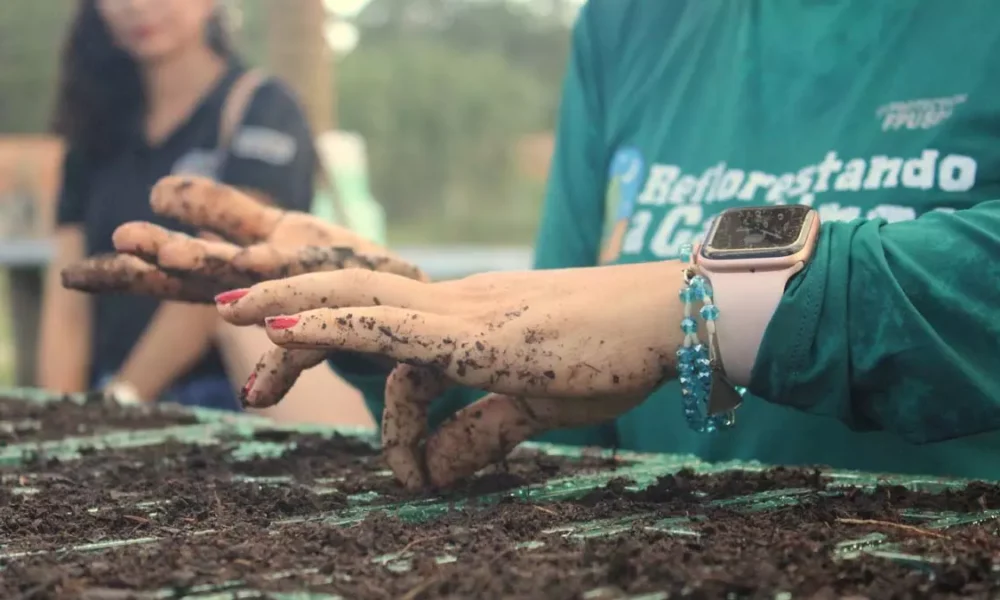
71,205
569,234
894,327
272,151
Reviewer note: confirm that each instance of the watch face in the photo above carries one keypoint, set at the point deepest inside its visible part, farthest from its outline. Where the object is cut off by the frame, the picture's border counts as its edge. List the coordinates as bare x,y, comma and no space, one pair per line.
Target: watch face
759,230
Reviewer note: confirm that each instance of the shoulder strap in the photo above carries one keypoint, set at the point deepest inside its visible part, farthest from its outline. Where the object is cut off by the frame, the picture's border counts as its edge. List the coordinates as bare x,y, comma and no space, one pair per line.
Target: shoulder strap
237,102
233,111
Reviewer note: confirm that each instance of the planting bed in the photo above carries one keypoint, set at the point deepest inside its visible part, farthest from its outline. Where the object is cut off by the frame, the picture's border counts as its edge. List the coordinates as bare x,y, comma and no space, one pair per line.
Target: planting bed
208,506
22,422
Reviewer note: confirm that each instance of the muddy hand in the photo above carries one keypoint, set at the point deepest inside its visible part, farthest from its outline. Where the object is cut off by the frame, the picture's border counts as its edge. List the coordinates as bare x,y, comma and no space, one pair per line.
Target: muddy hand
279,368
281,244
126,273
557,348
478,435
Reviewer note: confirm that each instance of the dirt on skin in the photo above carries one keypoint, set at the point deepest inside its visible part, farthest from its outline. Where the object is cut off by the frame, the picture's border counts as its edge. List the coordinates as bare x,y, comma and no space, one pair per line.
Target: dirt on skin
27,422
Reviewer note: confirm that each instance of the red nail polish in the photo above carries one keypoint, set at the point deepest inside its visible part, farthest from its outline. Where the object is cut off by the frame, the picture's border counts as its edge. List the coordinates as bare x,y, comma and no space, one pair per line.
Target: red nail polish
246,389
231,296
245,392
281,322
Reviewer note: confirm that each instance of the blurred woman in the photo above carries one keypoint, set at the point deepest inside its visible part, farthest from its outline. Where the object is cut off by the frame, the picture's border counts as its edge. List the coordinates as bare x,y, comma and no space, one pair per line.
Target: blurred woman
141,96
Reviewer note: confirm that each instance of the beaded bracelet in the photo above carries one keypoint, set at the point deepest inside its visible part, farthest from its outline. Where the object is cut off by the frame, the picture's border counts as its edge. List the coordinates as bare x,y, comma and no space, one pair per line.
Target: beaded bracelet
709,399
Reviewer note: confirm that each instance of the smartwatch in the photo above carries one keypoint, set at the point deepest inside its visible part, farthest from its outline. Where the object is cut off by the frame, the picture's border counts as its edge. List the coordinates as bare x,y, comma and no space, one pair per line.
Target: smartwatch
748,256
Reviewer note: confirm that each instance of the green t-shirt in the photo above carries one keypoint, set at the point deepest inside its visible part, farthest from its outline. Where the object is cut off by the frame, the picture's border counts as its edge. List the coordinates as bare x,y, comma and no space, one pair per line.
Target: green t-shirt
873,113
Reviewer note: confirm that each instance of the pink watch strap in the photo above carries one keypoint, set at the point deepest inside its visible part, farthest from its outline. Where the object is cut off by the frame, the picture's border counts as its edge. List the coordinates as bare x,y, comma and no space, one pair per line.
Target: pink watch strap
746,302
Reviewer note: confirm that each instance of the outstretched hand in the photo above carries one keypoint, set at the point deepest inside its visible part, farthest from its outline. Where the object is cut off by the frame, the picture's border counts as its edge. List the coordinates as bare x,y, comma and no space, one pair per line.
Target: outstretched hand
262,243
558,349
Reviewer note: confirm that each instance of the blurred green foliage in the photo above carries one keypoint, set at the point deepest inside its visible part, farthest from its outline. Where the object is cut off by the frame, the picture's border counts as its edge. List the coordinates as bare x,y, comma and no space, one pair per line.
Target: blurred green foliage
442,90
31,34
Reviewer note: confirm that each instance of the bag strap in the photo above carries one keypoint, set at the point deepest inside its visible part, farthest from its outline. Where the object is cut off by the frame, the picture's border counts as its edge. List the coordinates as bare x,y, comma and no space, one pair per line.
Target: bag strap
234,110
236,105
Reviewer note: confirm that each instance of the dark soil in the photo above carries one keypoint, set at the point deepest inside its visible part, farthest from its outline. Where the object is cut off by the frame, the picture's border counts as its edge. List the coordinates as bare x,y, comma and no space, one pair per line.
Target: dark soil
198,482
215,526
25,422
752,555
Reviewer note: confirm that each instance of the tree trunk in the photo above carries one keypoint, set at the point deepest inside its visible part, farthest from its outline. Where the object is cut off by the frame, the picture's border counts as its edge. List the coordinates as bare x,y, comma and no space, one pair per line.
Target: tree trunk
299,54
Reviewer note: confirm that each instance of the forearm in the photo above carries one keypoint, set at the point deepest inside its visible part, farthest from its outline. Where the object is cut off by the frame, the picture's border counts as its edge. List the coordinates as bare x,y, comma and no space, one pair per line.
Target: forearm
894,327
64,353
178,335
64,350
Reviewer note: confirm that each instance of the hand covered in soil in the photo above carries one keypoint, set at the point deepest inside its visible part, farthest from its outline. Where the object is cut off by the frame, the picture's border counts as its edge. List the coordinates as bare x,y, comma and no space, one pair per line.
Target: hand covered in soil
558,349
264,243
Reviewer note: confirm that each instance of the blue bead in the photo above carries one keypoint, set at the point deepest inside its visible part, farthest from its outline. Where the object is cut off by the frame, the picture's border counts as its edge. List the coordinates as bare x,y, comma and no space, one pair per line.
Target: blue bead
685,253
686,381
685,368
684,353
709,312
703,364
699,282
689,295
700,350
689,325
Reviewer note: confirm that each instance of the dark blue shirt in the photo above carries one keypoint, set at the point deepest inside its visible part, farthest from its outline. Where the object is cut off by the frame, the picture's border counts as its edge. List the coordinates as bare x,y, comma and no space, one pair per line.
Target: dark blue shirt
271,153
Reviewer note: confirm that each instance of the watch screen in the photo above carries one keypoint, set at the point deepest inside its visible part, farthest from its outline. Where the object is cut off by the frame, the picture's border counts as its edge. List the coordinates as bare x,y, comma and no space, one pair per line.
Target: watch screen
766,228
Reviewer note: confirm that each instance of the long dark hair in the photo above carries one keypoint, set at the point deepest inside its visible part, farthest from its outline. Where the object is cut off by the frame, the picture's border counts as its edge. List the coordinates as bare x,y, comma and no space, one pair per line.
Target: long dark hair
100,91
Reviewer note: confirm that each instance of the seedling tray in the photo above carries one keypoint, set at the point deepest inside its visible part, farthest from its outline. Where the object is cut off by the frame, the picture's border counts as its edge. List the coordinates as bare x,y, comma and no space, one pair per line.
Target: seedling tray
99,501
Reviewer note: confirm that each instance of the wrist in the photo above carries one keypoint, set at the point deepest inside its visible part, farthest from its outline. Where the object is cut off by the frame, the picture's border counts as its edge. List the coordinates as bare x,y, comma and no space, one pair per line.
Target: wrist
123,392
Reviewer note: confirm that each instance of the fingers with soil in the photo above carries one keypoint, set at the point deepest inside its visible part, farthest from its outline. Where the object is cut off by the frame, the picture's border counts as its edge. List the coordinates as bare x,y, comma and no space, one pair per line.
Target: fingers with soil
275,374
408,393
141,239
204,259
269,261
417,338
336,289
383,330
484,433
481,434
129,274
205,204
181,255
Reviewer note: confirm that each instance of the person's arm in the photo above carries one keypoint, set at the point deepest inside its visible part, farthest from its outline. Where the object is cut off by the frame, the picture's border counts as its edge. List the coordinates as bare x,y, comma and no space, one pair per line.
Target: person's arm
569,234
272,159
64,352
894,326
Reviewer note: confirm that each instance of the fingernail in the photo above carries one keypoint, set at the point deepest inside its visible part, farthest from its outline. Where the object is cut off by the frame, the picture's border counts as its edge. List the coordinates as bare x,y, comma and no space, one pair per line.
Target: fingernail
281,322
231,296
245,392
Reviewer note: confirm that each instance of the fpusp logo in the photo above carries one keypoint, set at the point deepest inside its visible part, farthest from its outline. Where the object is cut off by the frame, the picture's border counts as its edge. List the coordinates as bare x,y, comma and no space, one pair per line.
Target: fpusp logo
918,114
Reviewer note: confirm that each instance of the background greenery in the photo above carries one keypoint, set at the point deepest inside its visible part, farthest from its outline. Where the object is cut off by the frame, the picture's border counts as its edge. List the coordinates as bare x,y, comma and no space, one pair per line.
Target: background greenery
442,90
